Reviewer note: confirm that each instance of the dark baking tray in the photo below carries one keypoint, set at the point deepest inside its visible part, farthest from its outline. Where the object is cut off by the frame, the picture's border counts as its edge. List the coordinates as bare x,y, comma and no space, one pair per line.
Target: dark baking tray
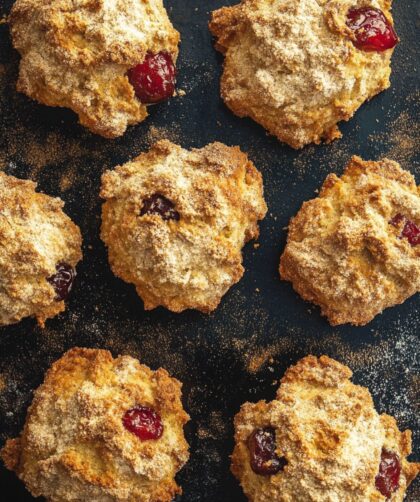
261,327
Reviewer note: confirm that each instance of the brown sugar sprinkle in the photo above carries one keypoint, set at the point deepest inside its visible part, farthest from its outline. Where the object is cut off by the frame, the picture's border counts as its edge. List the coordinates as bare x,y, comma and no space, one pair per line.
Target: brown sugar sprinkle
37,154
155,134
21,144
369,362
401,141
215,428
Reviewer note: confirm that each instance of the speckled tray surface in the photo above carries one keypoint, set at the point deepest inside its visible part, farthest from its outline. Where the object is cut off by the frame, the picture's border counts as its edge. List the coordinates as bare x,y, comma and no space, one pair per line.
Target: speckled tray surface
261,327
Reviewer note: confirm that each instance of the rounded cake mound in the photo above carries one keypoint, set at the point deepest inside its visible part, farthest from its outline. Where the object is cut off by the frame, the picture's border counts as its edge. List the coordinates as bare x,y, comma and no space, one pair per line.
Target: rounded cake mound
320,440
91,56
101,429
39,249
355,249
298,67
175,221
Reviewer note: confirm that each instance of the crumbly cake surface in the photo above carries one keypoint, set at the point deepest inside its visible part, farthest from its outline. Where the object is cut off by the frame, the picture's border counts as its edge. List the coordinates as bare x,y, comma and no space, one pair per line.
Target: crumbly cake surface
35,235
74,446
292,67
344,254
76,53
330,435
190,262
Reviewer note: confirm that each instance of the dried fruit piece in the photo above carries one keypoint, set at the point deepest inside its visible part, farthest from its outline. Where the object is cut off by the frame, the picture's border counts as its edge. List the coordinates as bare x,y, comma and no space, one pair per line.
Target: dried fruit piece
62,281
397,220
158,204
372,29
153,79
410,230
144,422
262,447
387,480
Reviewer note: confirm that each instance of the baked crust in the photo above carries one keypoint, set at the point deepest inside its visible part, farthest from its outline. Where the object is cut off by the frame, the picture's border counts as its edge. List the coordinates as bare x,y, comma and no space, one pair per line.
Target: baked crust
291,65
35,235
343,254
74,446
189,263
76,53
330,434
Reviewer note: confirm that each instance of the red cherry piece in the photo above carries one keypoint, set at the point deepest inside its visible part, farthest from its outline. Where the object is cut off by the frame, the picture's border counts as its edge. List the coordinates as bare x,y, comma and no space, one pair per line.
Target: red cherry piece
397,220
388,478
144,422
262,447
158,204
153,79
62,281
409,229
372,29
412,232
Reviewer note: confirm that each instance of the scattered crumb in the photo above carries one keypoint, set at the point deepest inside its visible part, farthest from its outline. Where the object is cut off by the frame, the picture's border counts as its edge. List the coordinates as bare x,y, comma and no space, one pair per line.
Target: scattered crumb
2,383
155,134
259,359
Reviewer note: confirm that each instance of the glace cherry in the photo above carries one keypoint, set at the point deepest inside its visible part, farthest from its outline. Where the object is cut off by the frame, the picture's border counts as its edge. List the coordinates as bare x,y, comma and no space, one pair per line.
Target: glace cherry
144,422
388,478
262,447
62,281
160,205
153,79
410,230
372,29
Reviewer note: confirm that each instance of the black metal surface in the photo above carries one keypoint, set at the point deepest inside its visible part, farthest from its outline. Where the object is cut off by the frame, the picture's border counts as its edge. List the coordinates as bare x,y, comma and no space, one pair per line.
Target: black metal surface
261,326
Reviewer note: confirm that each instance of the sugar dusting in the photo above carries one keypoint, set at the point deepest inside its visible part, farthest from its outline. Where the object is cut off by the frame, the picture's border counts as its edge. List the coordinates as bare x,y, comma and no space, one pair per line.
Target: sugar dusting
22,146
369,363
402,140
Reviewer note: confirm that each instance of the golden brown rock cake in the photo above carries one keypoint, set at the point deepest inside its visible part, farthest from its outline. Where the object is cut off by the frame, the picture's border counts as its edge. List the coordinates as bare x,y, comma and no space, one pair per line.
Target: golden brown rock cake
320,440
297,67
102,430
355,249
77,54
175,222
40,247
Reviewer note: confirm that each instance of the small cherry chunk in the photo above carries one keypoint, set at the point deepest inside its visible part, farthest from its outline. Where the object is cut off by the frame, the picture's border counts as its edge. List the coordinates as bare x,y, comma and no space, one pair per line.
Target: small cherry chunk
388,478
372,29
144,422
62,281
262,448
154,79
160,205
409,230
